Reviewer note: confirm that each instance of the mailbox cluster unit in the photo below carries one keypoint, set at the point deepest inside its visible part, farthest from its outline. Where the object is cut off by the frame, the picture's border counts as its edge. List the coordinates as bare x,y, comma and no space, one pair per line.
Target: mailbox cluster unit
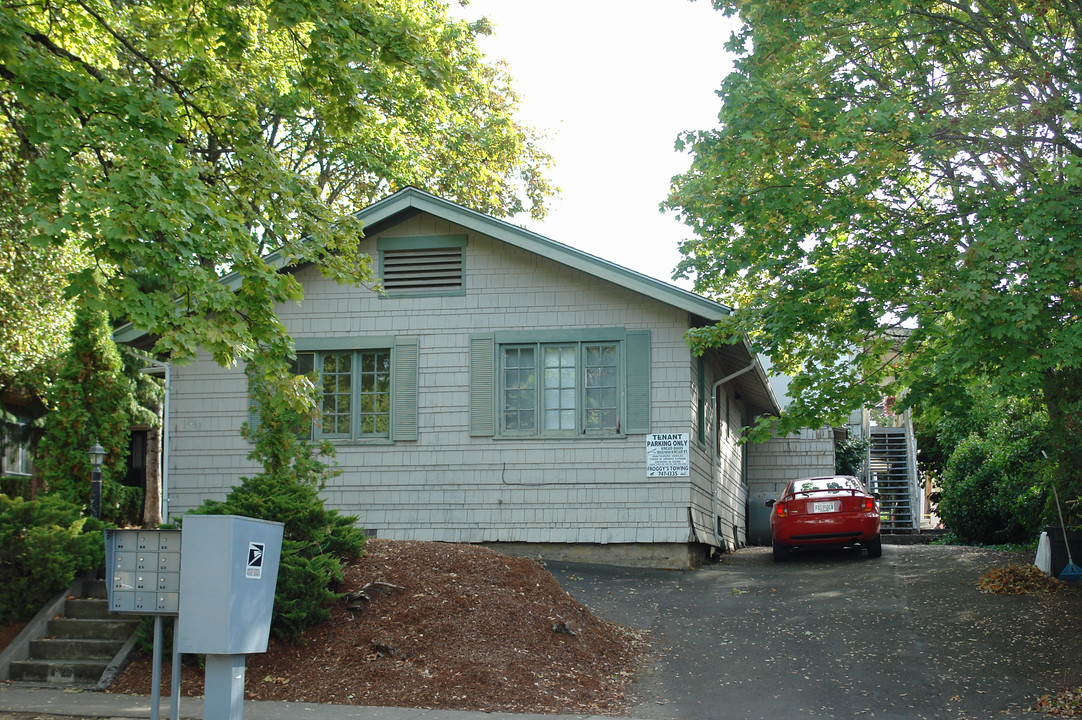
143,569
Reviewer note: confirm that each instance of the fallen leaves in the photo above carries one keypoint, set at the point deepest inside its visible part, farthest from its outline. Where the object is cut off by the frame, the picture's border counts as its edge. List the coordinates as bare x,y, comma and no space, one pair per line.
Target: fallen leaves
1066,703
1017,580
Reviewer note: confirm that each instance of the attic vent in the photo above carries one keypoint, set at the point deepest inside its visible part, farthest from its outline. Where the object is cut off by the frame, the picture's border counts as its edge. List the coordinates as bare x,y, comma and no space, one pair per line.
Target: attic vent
419,266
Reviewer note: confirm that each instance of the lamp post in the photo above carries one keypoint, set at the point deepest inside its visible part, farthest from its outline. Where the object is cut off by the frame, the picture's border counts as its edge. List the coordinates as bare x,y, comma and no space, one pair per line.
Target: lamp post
97,455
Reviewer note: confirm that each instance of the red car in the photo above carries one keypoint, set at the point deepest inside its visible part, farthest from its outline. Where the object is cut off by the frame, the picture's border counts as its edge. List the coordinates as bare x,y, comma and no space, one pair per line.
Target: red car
832,511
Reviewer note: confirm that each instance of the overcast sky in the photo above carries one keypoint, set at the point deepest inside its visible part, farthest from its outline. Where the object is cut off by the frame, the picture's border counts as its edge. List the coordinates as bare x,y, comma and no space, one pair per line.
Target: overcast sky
612,83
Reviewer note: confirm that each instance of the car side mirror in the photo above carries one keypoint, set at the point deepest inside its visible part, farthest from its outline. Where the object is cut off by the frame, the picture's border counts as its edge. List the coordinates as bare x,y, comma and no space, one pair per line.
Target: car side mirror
875,495
770,502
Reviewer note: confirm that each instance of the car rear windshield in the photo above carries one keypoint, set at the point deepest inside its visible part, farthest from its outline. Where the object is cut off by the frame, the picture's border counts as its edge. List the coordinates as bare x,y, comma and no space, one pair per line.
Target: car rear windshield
824,485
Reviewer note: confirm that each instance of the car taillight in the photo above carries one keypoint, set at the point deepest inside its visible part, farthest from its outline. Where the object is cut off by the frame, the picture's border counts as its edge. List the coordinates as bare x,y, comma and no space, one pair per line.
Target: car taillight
782,508
867,504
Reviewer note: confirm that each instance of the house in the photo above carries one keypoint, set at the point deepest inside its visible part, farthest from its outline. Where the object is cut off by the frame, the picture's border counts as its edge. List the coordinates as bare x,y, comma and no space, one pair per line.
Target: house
504,389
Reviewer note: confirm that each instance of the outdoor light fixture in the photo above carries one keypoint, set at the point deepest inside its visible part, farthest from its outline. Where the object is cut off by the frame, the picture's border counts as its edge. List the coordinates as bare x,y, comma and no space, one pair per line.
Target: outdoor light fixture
97,455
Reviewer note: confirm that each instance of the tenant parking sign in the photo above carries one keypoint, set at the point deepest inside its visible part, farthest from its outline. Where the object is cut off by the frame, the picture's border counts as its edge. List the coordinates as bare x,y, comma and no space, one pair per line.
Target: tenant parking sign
668,455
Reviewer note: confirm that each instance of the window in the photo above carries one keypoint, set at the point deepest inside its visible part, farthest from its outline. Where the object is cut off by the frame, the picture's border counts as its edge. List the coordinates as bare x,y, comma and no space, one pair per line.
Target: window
17,459
559,383
367,387
355,392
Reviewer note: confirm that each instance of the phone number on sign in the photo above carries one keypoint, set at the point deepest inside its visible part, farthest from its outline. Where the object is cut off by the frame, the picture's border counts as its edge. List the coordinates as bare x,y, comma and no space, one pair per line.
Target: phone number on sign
667,472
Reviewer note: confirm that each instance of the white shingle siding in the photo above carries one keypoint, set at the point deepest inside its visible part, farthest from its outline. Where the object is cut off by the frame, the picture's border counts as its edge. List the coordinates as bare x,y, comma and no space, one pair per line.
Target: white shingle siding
447,485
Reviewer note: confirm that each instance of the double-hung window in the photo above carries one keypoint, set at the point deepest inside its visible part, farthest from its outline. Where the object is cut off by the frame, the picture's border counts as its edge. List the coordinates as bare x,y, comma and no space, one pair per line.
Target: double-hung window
366,387
556,383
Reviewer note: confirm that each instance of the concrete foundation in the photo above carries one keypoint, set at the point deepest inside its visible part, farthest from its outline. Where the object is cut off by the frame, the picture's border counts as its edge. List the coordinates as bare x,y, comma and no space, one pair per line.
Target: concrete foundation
665,556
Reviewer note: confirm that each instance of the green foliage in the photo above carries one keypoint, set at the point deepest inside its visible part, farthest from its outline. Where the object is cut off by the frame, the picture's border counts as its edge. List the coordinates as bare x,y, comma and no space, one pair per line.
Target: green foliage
15,486
1063,398
90,400
948,414
849,456
891,198
167,143
316,539
44,545
35,315
994,486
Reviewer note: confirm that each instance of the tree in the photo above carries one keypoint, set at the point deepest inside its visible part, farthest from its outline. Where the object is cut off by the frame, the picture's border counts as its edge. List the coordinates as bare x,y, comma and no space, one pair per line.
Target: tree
891,199
35,315
169,142
90,400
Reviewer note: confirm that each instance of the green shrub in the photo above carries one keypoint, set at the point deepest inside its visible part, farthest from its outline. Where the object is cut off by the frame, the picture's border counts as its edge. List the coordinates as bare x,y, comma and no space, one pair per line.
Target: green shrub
849,456
15,486
992,492
316,539
44,545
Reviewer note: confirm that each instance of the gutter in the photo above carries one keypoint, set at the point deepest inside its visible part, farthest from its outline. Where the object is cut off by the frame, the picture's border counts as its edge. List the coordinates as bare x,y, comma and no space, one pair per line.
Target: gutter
714,442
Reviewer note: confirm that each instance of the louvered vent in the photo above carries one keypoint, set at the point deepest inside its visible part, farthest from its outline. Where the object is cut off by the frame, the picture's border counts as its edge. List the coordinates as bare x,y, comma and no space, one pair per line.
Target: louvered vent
428,270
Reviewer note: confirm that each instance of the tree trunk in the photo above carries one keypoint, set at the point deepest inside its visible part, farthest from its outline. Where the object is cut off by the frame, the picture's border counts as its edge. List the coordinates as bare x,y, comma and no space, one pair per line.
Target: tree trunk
152,499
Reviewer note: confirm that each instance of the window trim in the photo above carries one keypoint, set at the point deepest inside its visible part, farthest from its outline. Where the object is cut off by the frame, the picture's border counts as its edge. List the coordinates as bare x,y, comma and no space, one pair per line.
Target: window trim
637,384
403,398
539,340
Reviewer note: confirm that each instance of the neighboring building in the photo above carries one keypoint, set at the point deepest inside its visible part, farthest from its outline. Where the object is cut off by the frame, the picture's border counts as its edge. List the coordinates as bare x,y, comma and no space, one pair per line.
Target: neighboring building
500,391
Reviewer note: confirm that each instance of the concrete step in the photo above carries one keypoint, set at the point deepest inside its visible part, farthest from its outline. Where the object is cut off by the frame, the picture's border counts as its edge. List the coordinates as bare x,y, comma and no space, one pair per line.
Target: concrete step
94,588
58,649
58,672
87,608
82,629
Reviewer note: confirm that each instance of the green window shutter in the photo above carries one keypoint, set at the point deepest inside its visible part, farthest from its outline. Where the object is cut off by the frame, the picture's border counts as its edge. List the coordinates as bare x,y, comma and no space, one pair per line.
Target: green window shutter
637,382
404,410
482,385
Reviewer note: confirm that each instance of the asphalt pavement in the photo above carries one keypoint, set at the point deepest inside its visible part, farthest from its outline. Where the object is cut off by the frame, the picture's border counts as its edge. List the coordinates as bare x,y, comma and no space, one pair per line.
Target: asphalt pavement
839,635
825,635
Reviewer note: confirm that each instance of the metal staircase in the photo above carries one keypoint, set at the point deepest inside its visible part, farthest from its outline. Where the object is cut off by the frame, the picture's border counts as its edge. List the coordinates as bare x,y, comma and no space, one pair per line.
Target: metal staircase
893,477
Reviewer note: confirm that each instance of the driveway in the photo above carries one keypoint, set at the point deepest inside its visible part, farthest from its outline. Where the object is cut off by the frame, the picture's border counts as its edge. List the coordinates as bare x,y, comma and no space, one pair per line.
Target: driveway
837,635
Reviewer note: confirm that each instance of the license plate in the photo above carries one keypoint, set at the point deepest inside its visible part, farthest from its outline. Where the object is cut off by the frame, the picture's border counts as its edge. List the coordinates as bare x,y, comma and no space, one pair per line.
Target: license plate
823,507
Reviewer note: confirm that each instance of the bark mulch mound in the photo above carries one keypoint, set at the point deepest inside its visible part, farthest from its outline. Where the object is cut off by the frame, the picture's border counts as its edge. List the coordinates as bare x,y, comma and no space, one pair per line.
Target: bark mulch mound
447,626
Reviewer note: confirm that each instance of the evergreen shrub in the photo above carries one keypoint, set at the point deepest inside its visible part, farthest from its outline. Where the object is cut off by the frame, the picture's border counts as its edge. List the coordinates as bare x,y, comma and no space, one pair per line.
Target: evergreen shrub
316,539
44,545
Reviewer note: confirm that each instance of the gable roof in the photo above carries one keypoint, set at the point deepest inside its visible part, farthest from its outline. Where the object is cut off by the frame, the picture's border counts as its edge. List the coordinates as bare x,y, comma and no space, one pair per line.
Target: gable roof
414,199
411,198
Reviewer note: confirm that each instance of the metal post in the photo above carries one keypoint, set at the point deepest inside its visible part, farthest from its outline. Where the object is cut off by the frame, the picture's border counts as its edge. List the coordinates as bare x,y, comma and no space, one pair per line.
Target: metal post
95,493
97,455
174,686
156,671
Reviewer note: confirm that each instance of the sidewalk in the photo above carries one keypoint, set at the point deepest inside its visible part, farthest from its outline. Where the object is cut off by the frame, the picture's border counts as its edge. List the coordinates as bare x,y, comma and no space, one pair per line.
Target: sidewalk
25,698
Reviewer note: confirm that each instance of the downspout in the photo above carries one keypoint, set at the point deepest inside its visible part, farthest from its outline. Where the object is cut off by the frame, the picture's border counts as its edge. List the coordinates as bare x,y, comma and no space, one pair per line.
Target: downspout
158,365
714,441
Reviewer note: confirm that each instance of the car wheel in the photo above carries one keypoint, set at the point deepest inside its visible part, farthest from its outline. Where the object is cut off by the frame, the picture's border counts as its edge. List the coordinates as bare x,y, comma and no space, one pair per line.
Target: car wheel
781,552
875,547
